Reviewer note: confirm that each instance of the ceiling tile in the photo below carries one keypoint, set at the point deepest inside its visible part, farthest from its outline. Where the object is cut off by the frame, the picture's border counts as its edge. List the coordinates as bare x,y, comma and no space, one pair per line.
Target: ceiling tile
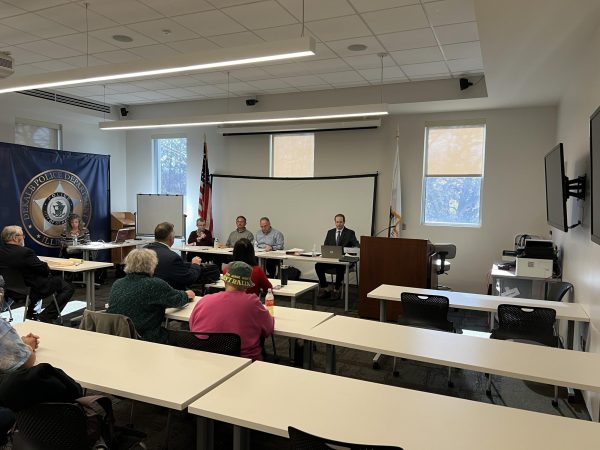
281,33
260,15
282,90
327,66
10,36
227,3
236,39
460,32
79,42
211,77
238,87
209,23
177,7
153,95
207,90
371,5
322,51
107,34
417,55
7,10
151,84
249,74
396,19
53,65
178,93
467,64
153,51
22,56
304,80
321,87
73,16
269,84
84,91
182,81
341,47
318,9
450,11
368,61
121,88
339,28
49,48
34,5
27,69
432,68
287,70
405,40
349,76
163,30
83,61
429,77
117,56
389,73
124,12
116,99
36,25
192,45
464,50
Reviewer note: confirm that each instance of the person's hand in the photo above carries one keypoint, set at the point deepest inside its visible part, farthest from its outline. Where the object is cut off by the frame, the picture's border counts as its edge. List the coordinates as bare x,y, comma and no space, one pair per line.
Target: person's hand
191,294
268,248
202,236
32,340
196,260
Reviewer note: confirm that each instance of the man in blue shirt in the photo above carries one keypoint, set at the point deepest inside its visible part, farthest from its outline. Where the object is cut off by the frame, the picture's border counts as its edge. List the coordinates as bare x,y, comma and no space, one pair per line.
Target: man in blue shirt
268,239
16,352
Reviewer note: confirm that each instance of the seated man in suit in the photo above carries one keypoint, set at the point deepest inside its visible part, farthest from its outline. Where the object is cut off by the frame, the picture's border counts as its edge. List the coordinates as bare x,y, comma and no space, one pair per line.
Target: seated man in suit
14,255
342,237
171,266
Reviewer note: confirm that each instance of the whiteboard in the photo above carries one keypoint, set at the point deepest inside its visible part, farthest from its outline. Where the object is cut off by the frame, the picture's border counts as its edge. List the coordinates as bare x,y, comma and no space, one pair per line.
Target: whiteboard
303,209
153,209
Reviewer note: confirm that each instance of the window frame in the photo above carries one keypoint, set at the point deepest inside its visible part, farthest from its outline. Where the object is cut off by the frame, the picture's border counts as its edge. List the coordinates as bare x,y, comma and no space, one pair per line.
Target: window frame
41,124
156,160
452,123
272,151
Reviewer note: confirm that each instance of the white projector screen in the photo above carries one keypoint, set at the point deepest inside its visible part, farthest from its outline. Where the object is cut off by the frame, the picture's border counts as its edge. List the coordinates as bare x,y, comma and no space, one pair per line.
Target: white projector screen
303,209
153,209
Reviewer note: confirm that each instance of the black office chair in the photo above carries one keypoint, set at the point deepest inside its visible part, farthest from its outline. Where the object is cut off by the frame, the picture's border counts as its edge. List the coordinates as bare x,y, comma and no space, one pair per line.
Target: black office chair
300,440
425,311
224,343
529,325
556,291
14,282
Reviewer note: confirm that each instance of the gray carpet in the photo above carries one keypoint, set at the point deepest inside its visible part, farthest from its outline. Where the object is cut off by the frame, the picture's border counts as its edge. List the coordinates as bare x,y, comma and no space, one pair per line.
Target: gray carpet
355,364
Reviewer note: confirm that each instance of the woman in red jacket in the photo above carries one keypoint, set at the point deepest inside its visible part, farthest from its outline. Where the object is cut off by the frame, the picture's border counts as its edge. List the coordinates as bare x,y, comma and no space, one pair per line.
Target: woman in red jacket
244,251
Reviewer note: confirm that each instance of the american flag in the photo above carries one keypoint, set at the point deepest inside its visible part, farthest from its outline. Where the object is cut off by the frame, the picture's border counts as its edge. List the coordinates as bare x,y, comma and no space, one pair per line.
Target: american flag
205,197
395,223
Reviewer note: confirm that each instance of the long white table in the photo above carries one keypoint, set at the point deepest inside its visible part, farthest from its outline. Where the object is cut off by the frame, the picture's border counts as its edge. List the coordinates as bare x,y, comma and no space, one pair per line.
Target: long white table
152,373
512,359
87,269
97,246
351,410
292,290
277,254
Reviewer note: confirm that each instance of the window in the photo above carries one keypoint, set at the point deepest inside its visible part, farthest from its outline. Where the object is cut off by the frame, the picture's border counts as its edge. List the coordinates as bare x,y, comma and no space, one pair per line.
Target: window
38,134
453,174
293,155
171,165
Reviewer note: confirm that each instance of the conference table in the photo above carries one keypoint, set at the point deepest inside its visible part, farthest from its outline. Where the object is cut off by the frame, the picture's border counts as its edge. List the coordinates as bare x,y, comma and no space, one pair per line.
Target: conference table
537,363
351,410
97,246
87,269
292,290
277,254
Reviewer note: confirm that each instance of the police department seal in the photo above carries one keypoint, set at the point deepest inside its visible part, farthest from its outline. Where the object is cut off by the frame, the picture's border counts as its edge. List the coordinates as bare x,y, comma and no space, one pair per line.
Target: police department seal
46,202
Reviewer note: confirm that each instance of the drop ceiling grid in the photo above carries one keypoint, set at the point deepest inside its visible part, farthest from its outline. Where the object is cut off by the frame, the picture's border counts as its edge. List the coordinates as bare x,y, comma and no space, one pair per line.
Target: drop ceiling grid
398,27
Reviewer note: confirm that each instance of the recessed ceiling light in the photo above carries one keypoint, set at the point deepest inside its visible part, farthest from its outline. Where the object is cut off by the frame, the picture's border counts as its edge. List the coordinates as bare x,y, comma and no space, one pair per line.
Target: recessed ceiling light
166,32
357,47
122,38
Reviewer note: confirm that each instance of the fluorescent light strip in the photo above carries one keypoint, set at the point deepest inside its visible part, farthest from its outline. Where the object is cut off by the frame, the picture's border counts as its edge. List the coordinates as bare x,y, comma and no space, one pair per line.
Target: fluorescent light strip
212,59
250,118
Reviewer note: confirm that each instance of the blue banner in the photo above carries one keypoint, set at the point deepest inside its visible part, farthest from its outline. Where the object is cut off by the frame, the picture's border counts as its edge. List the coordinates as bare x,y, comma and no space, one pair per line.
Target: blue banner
41,187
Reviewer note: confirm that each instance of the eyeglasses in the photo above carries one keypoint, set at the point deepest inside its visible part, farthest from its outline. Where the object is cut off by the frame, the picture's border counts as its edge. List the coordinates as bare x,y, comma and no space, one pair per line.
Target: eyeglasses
17,235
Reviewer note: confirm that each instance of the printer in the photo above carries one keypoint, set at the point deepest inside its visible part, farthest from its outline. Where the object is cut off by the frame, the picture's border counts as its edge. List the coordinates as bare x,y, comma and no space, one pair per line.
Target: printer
535,259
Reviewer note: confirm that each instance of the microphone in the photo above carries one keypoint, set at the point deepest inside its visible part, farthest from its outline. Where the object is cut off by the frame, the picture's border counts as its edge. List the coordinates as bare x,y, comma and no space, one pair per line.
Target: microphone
385,229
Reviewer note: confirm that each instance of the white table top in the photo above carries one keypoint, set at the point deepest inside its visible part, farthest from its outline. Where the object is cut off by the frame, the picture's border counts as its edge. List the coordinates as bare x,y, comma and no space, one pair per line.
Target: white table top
59,264
292,289
352,410
480,302
152,373
289,322
513,359
108,245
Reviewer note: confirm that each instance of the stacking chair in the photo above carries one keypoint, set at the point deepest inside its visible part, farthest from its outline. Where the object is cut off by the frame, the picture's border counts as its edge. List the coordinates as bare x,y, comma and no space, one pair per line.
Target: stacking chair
426,311
526,324
556,291
15,282
300,440
224,343
353,267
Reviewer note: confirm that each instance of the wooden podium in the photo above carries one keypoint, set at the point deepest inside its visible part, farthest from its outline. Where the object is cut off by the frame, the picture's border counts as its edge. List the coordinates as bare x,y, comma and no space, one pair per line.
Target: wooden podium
119,220
403,262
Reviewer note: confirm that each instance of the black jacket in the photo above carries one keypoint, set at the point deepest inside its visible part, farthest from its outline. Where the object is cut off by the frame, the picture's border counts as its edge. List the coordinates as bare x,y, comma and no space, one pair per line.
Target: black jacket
347,238
24,260
172,268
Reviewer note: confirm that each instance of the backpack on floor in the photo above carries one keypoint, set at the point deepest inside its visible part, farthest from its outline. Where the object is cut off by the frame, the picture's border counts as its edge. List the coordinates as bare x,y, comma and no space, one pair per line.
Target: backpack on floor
100,421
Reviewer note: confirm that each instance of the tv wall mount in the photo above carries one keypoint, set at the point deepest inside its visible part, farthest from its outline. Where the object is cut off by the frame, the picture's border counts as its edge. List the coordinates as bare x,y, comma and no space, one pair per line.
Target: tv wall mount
575,188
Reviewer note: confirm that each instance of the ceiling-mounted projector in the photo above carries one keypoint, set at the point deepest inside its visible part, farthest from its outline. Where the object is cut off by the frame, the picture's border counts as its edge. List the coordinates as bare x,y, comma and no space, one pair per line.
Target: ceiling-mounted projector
6,65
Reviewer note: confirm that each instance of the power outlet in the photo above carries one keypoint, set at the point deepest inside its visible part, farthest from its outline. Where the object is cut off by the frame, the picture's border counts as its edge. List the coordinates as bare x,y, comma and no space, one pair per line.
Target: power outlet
403,227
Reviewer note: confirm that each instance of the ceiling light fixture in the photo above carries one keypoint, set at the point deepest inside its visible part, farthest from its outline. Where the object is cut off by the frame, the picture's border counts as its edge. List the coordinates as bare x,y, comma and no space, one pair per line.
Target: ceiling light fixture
298,115
209,59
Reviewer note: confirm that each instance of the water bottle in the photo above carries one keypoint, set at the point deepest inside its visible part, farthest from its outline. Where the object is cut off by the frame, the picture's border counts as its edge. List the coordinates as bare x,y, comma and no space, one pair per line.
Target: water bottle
75,240
270,302
314,250
216,243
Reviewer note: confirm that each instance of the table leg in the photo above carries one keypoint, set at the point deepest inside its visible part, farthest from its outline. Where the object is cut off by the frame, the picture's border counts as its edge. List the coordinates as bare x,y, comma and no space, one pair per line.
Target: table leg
86,254
315,297
90,294
293,302
330,359
204,434
570,345
308,355
241,438
382,310
347,285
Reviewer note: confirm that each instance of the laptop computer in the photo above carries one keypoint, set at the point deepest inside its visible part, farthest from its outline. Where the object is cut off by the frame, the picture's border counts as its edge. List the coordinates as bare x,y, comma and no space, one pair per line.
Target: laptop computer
331,251
121,236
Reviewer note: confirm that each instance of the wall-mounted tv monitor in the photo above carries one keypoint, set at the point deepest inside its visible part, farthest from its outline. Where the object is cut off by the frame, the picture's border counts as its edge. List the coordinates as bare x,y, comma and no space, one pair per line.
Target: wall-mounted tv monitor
595,174
556,189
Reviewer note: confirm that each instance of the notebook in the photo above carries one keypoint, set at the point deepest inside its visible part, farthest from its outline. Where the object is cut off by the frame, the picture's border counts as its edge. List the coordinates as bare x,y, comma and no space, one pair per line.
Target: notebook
331,251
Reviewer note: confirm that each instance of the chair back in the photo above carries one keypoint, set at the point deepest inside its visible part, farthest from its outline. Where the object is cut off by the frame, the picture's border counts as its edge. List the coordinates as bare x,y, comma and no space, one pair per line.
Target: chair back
556,291
224,343
300,440
14,281
106,323
53,426
525,319
425,311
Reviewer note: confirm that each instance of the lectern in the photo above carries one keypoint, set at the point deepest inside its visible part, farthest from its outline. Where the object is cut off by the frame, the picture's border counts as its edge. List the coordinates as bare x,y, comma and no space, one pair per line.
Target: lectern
403,262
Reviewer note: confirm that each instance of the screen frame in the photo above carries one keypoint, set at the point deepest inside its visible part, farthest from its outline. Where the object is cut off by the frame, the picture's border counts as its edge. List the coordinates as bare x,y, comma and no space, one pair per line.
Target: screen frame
595,234
551,178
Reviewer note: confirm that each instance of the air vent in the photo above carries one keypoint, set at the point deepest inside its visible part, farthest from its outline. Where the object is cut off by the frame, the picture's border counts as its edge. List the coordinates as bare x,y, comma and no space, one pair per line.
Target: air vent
6,65
60,98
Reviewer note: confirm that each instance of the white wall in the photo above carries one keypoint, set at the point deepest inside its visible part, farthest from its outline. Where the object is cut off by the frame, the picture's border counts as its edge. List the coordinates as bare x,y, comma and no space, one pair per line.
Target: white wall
581,256
513,191
80,134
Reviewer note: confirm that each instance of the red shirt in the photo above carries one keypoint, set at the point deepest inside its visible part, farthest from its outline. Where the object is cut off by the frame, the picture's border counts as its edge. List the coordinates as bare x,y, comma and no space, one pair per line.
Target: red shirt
260,280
